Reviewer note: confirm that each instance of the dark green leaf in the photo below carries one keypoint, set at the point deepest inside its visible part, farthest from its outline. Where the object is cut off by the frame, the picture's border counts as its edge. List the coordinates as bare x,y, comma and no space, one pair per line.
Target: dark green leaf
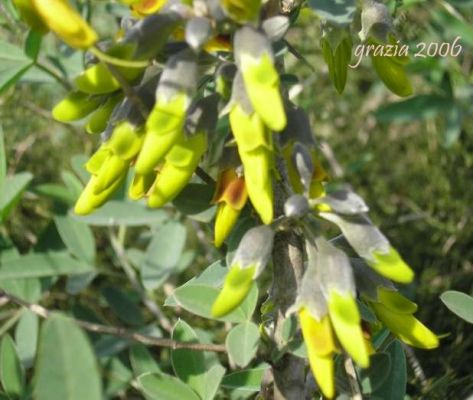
373,377
117,376
163,386
77,236
248,380
66,368
188,365
12,375
142,361
394,387
195,201
418,107
459,303
12,189
242,343
125,308
33,44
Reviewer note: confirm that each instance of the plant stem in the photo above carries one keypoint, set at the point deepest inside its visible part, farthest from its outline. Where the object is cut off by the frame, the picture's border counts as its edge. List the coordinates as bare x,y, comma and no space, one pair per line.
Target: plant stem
58,78
288,268
116,330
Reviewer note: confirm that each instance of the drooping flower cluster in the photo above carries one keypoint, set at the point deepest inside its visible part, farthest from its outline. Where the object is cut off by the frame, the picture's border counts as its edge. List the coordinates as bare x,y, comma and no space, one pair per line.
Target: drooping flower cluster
156,96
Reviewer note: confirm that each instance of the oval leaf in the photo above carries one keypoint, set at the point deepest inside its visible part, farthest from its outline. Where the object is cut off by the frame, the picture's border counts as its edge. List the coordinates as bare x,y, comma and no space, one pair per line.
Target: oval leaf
163,386
12,375
66,368
242,343
459,303
189,365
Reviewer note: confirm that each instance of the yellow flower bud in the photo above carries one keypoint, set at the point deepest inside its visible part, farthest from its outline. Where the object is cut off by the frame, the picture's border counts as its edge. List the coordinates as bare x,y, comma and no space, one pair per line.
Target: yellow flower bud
163,129
231,196
255,149
98,120
75,106
30,16
236,287
320,343
141,185
177,170
66,22
241,10
147,7
89,201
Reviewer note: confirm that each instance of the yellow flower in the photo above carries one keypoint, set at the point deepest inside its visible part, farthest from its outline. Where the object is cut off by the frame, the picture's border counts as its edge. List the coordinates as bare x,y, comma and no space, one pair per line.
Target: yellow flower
251,256
231,196
396,312
319,339
255,149
328,313
177,170
66,22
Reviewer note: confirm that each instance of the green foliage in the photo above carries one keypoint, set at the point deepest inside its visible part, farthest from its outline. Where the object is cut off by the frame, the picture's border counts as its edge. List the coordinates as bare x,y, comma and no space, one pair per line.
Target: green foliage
65,363
459,303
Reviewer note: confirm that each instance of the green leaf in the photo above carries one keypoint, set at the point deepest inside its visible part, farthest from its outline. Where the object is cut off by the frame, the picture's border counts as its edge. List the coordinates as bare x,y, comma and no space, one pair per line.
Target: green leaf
3,161
26,338
242,343
66,368
33,44
163,254
37,265
56,192
213,275
188,365
373,377
340,12
77,237
212,378
125,308
12,189
423,106
198,299
13,64
74,185
459,303
163,386
298,348
195,201
78,165
394,387
115,213
453,126
117,376
247,380
366,313
12,375
26,289
142,361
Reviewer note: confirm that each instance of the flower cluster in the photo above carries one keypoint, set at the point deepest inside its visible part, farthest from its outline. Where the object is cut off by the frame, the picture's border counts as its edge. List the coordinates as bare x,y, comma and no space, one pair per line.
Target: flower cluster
157,94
